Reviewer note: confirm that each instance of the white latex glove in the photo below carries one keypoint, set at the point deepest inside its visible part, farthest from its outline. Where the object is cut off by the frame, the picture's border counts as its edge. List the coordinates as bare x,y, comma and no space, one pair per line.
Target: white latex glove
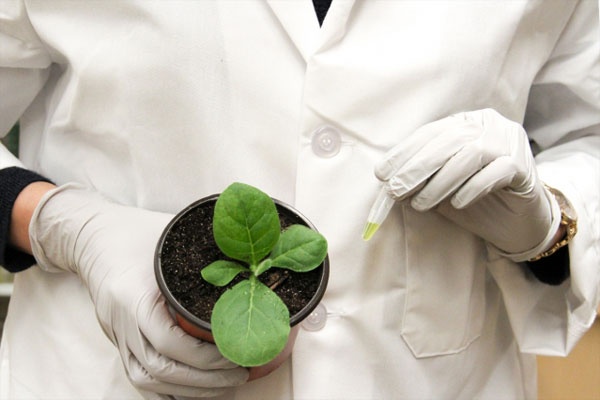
111,247
477,169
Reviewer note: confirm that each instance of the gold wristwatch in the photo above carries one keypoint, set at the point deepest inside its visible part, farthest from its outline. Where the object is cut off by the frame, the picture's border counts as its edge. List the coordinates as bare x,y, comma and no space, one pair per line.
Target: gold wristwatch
568,219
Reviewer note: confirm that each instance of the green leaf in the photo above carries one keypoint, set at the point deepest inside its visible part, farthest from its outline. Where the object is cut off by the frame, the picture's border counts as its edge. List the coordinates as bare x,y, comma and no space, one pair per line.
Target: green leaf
220,273
299,249
246,223
250,324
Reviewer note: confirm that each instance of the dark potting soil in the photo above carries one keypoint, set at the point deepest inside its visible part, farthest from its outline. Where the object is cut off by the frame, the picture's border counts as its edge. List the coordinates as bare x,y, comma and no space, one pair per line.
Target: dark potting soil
190,246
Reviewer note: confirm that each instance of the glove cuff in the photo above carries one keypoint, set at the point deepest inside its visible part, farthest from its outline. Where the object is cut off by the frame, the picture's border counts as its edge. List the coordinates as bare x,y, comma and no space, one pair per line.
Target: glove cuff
53,228
544,244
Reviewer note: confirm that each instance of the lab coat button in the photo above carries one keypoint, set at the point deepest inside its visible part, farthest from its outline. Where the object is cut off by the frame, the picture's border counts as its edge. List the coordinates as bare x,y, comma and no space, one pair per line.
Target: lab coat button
316,320
326,142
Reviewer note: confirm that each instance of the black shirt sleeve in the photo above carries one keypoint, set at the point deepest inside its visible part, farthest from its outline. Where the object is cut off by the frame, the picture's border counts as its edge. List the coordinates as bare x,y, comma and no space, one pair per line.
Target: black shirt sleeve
552,270
12,181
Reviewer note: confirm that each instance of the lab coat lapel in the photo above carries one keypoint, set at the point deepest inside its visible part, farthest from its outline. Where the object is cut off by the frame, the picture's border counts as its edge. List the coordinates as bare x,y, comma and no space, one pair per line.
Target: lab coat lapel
335,23
300,22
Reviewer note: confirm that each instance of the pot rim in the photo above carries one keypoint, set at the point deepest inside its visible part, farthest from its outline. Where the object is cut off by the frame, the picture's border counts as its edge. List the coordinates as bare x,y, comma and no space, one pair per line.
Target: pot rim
179,309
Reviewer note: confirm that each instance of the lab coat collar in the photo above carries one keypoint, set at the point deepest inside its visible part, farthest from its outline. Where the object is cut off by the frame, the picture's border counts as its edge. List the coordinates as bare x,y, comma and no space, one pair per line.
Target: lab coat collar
299,20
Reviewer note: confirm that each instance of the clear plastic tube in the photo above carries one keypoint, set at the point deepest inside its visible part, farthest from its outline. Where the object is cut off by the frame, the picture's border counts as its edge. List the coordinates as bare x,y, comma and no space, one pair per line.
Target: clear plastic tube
380,210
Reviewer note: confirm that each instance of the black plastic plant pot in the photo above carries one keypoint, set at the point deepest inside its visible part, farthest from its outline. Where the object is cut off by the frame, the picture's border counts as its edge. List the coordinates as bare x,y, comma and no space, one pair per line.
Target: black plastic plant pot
187,245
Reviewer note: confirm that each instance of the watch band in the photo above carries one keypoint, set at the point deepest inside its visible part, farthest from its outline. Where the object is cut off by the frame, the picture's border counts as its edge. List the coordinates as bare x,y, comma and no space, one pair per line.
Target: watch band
568,219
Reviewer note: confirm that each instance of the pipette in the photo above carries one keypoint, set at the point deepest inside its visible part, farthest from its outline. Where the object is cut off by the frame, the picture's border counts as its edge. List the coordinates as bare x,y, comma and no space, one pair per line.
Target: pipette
380,210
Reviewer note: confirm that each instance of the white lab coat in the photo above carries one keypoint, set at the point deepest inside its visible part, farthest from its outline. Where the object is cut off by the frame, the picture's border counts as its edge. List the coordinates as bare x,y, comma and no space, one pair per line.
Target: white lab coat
157,104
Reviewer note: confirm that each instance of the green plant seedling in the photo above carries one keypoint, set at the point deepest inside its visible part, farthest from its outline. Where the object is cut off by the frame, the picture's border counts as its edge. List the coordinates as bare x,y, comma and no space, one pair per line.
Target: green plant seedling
250,323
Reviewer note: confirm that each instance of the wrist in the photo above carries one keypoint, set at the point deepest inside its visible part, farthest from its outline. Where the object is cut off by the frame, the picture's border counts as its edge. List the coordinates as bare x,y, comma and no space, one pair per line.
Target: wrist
22,211
561,232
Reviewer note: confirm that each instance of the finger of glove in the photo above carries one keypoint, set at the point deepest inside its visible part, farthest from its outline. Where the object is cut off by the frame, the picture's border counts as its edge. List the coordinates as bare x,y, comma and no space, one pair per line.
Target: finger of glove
154,389
453,174
155,367
188,398
395,158
497,175
168,339
430,159
129,330
147,395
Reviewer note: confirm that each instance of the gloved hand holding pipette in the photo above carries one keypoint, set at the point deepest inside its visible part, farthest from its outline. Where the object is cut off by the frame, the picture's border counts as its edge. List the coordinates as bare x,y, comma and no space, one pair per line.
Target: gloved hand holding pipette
477,169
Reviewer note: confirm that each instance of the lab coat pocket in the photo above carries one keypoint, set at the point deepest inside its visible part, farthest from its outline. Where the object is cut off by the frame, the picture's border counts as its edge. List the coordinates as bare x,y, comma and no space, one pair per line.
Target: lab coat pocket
445,284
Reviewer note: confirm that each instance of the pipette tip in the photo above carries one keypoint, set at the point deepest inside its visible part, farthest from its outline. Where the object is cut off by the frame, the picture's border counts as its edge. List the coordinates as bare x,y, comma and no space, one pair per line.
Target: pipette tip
381,208
369,231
